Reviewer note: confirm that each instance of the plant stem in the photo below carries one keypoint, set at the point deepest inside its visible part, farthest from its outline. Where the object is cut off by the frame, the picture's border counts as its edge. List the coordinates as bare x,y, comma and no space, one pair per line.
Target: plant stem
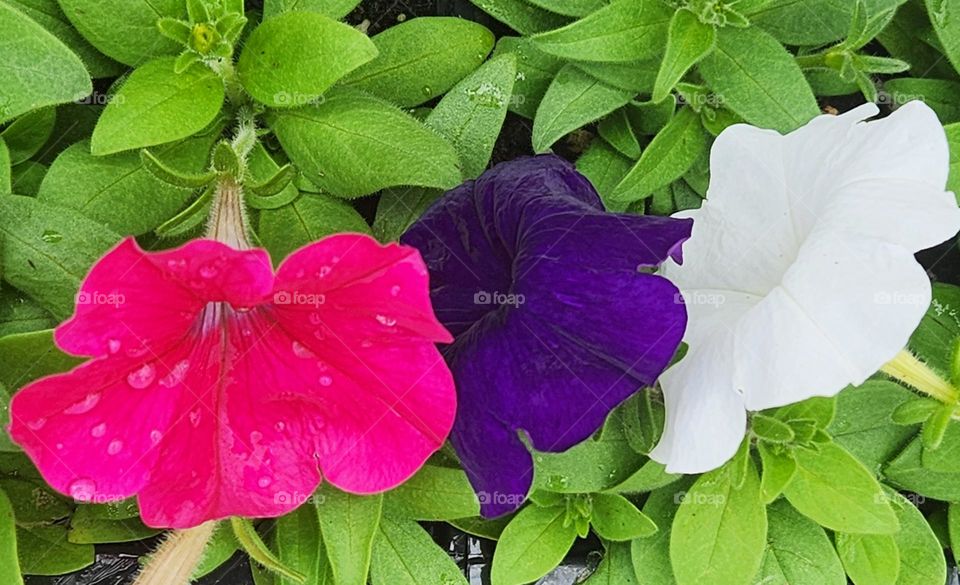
228,216
908,369
177,558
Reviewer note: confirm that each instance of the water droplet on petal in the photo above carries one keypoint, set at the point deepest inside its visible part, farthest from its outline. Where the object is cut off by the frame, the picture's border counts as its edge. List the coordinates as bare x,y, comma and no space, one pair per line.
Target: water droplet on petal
114,447
155,436
208,271
325,380
366,343
36,425
301,351
315,318
322,366
176,375
59,446
113,345
394,290
324,270
195,418
99,430
178,264
280,426
264,481
255,437
82,490
85,405
320,333
386,321
142,377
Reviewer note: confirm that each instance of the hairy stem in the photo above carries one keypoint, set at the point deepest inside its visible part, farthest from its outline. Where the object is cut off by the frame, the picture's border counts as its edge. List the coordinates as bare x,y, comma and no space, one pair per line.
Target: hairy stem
908,369
228,216
177,557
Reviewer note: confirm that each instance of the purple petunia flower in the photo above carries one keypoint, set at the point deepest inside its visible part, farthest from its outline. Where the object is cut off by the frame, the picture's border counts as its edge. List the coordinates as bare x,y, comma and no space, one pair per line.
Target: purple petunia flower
556,319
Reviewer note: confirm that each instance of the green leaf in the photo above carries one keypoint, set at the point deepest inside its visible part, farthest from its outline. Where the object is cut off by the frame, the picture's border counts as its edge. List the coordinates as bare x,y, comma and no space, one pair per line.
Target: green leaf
118,190
353,144
616,568
605,168
642,418
433,493
594,465
26,135
771,429
521,16
779,467
534,542
291,59
404,554
757,78
47,250
471,115
651,555
299,545
919,548
943,96
535,71
6,173
253,544
174,177
477,526
27,85
222,546
25,357
812,22
799,552
48,14
34,502
719,532
85,529
943,16
689,40
834,489
909,472
573,99
618,132
9,566
333,8
624,30
907,37
570,7
670,154
934,340
348,524
863,425
869,559
45,550
311,217
422,58
398,208
943,457
616,518
126,31
155,105
819,409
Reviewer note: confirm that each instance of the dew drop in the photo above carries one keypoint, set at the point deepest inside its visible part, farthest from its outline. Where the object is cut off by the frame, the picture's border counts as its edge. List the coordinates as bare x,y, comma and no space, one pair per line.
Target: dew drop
82,490
280,426
366,343
51,236
99,430
36,425
209,271
322,366
114,447
394,290
113,345
256,437
176,375
325,380
85,405
155,436
195,418
142,377
324,270
320,333
386,321
301,351
59,446
264,481
315,318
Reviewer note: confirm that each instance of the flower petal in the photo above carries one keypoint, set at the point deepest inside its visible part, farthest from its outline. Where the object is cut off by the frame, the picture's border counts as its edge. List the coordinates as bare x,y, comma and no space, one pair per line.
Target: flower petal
705,420
132,300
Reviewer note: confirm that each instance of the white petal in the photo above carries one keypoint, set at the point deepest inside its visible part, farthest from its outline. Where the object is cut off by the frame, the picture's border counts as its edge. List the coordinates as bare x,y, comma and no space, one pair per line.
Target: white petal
705,421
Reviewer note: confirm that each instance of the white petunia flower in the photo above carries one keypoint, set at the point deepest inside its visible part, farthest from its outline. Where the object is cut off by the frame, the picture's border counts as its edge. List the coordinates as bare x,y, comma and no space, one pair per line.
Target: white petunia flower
799,277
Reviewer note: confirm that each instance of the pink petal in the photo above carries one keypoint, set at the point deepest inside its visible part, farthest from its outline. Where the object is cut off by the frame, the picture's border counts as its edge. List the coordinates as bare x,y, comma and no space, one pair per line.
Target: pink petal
365,291
388,398
132,300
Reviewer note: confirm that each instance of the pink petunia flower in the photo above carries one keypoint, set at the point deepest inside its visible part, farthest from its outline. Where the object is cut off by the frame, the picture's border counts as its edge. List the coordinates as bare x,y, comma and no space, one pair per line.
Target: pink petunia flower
216,388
